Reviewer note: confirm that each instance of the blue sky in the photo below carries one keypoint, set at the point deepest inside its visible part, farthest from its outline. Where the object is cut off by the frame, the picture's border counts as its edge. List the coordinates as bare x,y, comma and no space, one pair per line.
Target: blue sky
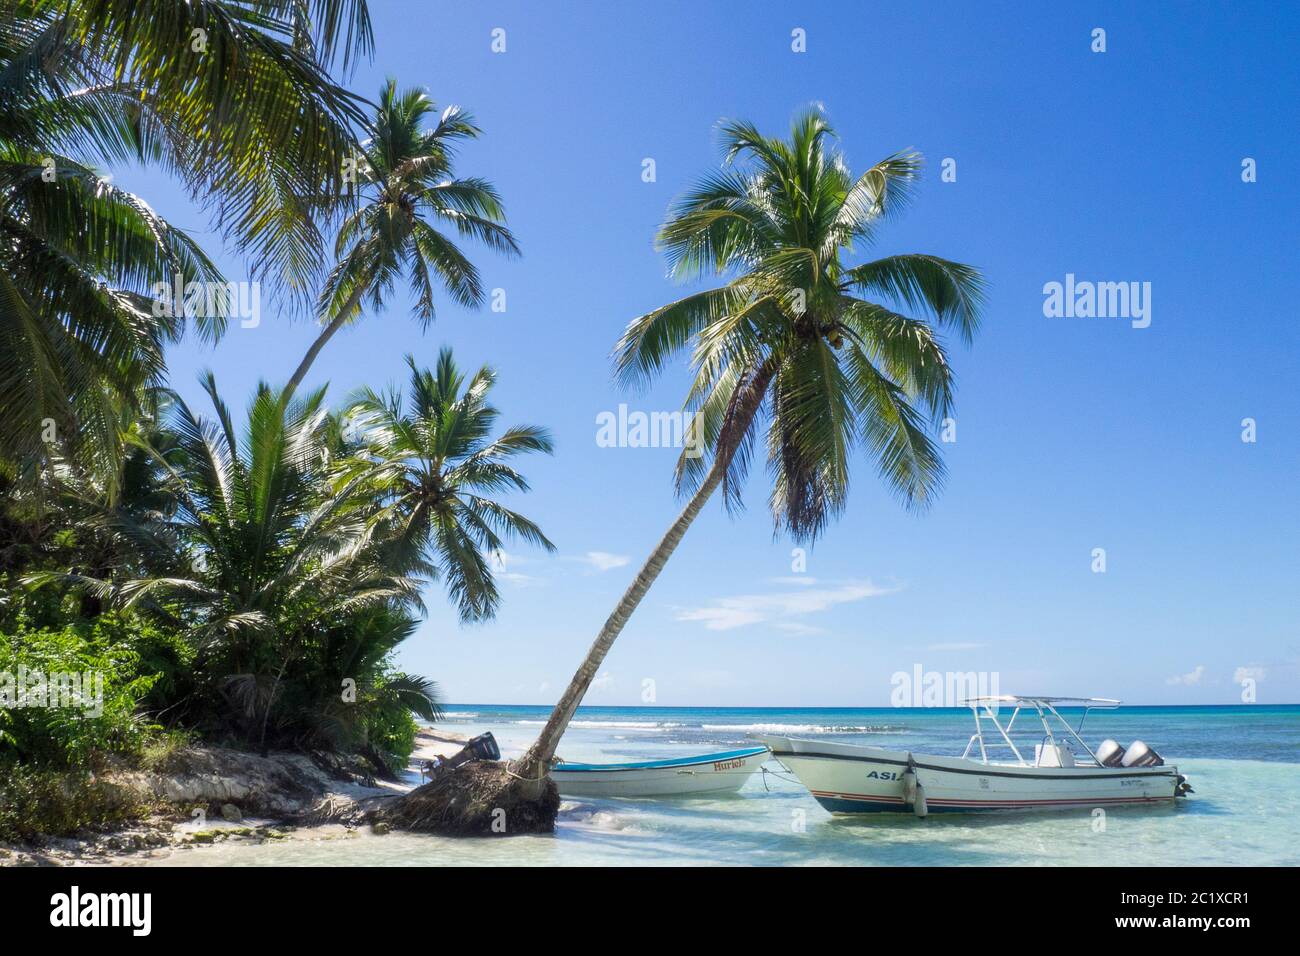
1072,433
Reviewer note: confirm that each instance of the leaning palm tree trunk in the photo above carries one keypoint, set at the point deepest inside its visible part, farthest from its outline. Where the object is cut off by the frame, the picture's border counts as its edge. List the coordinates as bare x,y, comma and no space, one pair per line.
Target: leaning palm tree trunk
326,334
537,761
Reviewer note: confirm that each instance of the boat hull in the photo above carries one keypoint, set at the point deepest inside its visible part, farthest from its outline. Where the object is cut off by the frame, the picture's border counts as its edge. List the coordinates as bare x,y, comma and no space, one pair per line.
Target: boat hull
707,773
851,779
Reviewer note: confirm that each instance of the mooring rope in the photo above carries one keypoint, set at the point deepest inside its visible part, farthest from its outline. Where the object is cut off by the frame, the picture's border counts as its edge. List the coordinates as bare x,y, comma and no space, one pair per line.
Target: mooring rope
778,775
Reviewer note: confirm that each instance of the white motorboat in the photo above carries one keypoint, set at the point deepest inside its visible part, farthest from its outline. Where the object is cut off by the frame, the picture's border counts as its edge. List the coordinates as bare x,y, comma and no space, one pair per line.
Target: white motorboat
680,776
1061,773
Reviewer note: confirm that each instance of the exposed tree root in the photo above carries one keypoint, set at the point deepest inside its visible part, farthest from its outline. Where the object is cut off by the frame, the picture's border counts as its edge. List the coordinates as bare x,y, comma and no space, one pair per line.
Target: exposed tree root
481,798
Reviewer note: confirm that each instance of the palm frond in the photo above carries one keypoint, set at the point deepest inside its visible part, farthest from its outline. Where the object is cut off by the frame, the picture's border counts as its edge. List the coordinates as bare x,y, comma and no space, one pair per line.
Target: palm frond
953,292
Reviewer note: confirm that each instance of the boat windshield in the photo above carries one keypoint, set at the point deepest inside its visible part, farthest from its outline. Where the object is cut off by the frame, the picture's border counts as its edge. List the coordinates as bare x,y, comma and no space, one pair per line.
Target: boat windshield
1048,741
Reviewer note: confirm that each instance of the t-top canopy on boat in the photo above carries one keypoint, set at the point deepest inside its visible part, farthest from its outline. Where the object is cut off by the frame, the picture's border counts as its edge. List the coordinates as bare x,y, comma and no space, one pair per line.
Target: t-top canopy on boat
985,709
1089,702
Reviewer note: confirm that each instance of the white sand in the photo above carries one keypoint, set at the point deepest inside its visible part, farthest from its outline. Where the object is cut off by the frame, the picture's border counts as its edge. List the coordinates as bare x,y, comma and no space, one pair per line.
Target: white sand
430,743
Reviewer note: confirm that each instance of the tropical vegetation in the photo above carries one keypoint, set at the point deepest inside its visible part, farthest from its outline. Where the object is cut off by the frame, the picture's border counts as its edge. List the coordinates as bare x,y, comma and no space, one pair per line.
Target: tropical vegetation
236,100
231,579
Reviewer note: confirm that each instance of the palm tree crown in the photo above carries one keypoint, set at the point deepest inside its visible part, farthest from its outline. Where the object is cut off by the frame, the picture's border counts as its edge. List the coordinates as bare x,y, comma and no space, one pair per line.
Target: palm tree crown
434,459
790,338
406,185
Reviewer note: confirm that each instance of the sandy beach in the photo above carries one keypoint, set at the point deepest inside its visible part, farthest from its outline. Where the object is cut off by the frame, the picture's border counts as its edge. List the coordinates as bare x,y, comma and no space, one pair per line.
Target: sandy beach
430,743
163,834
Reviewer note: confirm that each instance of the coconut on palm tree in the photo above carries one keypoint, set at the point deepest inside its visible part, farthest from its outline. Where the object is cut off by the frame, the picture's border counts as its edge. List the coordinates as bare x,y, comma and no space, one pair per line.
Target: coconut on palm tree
801,349
406,188
432,458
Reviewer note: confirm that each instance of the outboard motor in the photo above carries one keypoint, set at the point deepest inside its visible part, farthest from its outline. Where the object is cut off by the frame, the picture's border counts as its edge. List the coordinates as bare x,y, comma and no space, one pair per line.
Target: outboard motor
1110,754
482,747
1140,755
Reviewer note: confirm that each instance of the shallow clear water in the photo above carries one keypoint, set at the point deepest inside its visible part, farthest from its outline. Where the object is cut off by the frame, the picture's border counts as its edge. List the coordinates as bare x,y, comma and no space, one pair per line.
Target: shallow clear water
1244,763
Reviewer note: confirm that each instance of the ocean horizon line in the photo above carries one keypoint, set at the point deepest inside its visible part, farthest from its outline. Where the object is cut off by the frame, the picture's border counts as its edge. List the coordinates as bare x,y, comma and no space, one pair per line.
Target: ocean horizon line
840,708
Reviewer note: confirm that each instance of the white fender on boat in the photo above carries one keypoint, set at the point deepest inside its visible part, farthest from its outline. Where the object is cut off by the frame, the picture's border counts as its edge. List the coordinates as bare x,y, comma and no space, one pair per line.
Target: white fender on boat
913,790
909,785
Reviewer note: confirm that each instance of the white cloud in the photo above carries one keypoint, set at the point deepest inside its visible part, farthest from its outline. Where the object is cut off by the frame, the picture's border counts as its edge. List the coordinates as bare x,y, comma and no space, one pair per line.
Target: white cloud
1190,679
520,580
502,562
957,646
603,560
1253,672
507,566
722,618
778,607
602,682
795,627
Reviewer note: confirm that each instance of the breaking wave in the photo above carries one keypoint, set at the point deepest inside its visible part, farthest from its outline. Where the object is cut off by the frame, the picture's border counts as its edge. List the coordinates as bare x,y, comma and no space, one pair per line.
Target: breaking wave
802,728
615,724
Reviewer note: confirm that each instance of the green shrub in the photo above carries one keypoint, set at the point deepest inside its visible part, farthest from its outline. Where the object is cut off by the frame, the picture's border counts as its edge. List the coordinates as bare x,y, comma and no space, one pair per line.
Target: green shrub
36,801
72,695
390,730
159,752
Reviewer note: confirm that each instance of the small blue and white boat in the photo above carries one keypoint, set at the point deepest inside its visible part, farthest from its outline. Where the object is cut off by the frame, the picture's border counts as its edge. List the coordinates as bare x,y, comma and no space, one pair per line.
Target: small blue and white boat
682,776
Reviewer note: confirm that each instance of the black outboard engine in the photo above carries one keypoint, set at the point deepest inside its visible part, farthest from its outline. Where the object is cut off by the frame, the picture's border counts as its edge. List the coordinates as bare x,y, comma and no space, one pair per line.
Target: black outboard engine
1140,755
482,747
1110,754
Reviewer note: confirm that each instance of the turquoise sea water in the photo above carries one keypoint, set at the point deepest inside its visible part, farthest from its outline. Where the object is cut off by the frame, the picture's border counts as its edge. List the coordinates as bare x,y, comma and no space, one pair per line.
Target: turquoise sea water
1244,763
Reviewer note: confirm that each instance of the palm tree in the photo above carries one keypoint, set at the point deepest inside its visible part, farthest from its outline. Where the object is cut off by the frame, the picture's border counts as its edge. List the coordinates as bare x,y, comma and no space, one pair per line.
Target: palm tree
404,176
792,341
437,467
260,549
70,520
76,349
233,97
